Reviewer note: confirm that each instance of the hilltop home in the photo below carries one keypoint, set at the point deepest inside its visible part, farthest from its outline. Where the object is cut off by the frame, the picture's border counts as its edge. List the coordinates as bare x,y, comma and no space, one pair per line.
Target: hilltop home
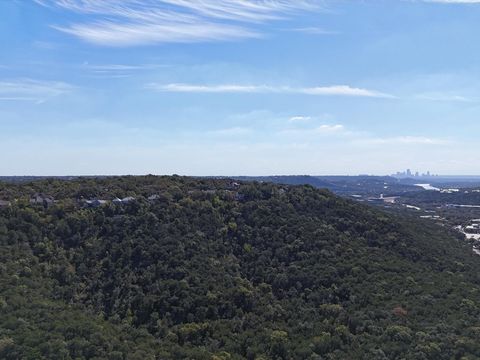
154,197
233,185
4,203
41,199
125,200
95,203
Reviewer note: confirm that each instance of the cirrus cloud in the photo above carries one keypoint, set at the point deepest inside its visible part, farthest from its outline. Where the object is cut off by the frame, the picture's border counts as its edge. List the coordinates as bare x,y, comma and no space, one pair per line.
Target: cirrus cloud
32,90
405,140
453,1
336,90
143,22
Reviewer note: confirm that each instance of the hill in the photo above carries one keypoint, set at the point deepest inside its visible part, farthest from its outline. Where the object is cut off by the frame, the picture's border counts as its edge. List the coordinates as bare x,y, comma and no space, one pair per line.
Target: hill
343,185
292,180
188,268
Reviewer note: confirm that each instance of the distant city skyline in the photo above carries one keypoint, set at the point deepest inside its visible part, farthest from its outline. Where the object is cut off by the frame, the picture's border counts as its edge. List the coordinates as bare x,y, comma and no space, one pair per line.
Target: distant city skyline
220,87
410,173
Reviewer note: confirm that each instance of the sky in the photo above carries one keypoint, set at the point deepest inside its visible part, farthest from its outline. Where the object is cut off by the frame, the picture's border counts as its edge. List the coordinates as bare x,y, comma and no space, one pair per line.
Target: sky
244,87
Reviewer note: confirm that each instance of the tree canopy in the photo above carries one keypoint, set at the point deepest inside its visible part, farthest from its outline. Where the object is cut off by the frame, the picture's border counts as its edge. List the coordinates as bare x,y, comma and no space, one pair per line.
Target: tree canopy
212,269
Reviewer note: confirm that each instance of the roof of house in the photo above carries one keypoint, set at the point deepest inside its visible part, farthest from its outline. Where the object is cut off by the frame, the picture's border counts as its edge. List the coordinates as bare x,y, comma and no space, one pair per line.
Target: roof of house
41,197
95,202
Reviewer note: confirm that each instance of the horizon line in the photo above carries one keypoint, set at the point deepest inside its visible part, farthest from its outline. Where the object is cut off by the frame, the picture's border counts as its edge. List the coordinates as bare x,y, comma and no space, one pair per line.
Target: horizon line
233,176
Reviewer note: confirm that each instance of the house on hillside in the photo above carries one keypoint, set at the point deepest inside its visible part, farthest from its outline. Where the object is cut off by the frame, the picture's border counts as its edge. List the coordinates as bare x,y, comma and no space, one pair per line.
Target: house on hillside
4,203
42,199
154,197
125,200
94,203
233,185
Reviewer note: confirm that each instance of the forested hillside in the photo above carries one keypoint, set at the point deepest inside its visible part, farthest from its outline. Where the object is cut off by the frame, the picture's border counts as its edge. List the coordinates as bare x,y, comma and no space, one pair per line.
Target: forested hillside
211,269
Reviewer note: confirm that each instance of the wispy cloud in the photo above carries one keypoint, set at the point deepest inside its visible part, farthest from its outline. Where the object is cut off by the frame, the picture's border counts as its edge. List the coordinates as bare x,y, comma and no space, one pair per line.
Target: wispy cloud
119,70
336,90
407,140
323,129
441,97
140,22
454,1
313,30
115,34
344,90
32,90
243,10
358,137
330,128
113,67
297,119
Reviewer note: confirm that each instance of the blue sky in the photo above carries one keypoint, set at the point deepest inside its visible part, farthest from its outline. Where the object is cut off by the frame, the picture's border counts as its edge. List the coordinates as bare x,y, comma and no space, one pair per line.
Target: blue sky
219,87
